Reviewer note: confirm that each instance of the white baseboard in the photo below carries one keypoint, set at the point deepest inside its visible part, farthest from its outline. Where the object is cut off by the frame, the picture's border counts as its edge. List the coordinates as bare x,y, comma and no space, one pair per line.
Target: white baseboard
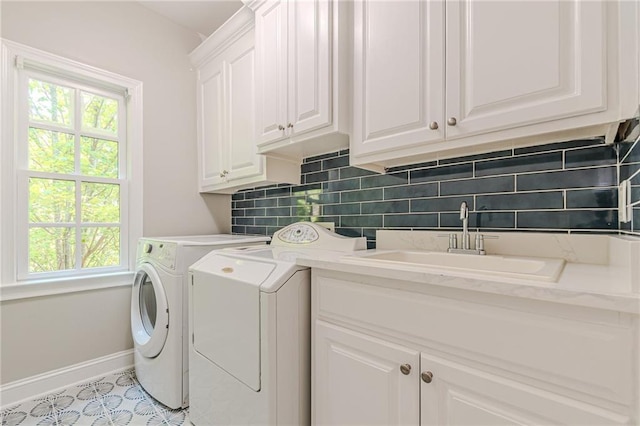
34,386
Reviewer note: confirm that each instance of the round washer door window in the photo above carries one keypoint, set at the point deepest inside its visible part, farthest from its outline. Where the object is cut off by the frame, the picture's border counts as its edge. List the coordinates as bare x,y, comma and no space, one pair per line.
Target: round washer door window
149,316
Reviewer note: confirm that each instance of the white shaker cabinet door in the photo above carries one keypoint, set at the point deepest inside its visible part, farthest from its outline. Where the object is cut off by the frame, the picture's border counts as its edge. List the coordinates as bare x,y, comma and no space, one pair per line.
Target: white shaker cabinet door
524,62
241,150
358,380
398,84
211,123
271,83
309,73
457,394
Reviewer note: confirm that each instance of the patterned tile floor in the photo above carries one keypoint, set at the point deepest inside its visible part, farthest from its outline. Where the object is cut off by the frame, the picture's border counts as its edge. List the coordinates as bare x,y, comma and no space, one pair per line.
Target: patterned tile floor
114,400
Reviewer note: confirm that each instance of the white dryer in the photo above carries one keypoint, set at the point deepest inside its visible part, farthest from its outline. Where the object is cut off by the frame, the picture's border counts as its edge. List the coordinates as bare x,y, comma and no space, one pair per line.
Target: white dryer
159,310
249,318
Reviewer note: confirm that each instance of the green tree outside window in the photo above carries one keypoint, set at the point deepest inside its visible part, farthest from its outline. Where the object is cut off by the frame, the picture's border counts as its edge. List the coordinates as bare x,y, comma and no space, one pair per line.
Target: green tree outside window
74,193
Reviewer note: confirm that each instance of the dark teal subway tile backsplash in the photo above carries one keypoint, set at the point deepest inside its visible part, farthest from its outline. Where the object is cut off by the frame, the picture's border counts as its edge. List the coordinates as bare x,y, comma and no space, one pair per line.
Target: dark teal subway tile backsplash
278,211
592,198
478,185
441,204
265,202
520,164
411,191
316,177
584,178
433,174
400,206
559,187
411,220
481,219
255,194
334,163
277,192
368,221
378,181
569,219
342,209
316,166
595,156
342,185
521,201
362,195
559,146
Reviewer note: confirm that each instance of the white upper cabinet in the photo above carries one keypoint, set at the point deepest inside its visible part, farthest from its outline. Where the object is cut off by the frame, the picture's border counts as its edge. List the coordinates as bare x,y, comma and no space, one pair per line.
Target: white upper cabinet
301,77
210,117
398,75
227,153
309,65
515,63
271,36
444,78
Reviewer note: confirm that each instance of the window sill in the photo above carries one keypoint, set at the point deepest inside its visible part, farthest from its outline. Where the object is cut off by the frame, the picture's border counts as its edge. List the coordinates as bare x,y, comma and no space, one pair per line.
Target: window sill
53,286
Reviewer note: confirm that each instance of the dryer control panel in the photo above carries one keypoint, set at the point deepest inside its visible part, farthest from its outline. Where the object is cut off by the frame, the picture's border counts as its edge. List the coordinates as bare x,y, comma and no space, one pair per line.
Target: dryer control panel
310,235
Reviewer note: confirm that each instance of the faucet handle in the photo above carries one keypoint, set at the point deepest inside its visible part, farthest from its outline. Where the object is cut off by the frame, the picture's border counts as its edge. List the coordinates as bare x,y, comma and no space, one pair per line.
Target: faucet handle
480,240
453,240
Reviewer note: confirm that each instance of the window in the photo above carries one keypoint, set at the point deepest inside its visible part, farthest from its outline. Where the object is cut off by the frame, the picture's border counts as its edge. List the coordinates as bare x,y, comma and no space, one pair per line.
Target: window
73,142
76,145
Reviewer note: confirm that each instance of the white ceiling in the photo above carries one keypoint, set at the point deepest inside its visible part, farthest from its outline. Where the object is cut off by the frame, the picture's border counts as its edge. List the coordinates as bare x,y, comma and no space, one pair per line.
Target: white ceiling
203,16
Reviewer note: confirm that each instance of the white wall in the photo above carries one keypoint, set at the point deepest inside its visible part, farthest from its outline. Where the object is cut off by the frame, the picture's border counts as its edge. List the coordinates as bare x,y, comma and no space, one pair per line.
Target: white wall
46,333
129,39
41,334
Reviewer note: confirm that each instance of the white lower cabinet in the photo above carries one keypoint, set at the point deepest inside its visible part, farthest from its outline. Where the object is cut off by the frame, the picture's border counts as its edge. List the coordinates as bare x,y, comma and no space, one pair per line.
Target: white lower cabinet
363,380
358,379
457,394
393,357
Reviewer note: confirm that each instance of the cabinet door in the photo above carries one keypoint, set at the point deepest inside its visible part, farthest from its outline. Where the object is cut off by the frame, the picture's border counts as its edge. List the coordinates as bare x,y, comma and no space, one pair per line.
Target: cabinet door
515,63
309,77
462,395
211,122
240,148
357,380
398,74
271,68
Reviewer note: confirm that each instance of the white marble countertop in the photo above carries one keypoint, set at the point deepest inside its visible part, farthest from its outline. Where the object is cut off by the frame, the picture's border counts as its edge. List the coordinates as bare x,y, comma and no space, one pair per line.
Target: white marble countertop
605,275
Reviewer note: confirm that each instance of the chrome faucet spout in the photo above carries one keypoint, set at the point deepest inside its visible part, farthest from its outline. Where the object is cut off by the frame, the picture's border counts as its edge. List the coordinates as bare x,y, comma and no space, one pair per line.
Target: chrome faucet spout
464,211
464,217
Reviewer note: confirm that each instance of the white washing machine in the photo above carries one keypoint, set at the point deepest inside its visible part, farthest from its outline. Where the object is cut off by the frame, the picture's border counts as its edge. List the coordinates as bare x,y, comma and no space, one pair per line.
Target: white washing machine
159,310
249,316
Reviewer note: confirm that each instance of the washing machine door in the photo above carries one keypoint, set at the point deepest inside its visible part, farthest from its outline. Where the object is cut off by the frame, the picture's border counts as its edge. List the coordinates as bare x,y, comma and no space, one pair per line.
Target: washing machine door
149,312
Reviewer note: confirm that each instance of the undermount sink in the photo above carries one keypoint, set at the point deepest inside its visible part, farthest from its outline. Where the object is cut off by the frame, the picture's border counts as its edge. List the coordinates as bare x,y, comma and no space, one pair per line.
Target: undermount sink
534,268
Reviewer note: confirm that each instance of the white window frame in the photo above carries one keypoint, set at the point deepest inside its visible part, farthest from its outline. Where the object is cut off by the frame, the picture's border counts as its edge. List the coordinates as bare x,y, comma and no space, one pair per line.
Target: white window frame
16,58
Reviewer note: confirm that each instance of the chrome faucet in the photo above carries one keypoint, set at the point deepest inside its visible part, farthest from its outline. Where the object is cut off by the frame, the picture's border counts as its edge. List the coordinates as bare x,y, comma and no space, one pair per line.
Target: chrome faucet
466,237
464,217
